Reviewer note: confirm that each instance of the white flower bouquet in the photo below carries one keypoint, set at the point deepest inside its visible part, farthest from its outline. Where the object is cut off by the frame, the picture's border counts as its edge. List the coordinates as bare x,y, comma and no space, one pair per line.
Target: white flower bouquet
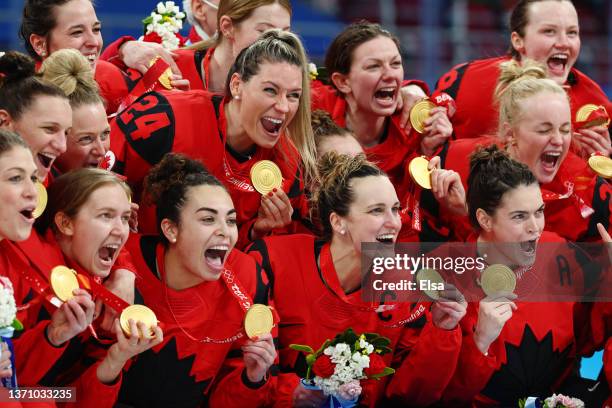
340,365
8,323
163,26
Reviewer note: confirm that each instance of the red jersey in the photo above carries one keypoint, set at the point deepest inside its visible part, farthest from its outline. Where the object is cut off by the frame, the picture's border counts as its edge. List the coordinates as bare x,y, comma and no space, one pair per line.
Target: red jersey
55,366
114,84
313,307
472,85
202,373
193,123
536,348
575,201
194,66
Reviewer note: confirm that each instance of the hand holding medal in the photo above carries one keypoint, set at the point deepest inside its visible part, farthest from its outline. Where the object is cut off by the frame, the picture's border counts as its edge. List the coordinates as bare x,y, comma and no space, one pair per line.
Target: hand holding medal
591,131
430,117
259,351
275,210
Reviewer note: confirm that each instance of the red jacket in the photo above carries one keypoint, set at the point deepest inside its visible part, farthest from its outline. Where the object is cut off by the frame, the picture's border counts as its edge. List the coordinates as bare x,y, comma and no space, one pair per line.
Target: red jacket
312,308
536,348
183,371
472,85
193,123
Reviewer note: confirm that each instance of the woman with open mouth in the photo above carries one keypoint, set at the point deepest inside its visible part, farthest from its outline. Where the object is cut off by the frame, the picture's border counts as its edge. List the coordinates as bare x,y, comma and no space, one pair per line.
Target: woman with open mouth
524,341
316,288
48,26
543,30
196,282
18,196
265,115
535,129
35,109
365,69
84,227
88,139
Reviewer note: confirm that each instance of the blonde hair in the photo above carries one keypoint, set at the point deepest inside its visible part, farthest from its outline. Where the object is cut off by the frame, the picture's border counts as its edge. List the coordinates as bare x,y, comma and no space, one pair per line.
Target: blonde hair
237,11
282,46
71,72
519,81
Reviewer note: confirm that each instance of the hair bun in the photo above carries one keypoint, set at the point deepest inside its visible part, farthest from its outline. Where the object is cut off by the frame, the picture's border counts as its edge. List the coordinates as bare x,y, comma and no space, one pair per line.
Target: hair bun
16,66
70,70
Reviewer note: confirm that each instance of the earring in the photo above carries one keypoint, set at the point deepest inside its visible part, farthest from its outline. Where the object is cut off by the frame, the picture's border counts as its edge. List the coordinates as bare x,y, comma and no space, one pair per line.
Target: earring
343,232
237,97
43,53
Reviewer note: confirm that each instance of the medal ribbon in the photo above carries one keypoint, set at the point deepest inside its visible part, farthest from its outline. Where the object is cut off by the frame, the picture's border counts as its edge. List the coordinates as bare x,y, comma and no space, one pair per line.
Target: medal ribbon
329,271
585,210
144,84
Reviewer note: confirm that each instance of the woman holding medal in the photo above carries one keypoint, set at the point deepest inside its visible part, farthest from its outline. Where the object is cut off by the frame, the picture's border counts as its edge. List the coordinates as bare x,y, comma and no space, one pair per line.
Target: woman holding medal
365,69
535,128
264,118
84,227
316,288
546,31
517,344
199,287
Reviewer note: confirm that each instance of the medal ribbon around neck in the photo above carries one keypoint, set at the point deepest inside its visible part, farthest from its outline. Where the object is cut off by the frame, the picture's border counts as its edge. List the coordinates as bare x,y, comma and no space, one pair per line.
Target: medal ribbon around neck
233,286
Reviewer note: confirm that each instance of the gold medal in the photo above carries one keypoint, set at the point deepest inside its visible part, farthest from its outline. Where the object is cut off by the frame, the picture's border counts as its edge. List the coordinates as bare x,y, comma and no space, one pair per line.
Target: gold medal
41,201
419,113
583,114
164,78
138,313
258,320
64,282
601,165
497,278
266,176
419,172
429,277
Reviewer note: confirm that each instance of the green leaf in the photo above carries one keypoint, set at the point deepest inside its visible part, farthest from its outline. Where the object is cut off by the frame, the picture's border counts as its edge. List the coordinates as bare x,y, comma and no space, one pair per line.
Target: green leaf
302,348
387,371
17,325
310,359
384,350
370,337
147,20
323,347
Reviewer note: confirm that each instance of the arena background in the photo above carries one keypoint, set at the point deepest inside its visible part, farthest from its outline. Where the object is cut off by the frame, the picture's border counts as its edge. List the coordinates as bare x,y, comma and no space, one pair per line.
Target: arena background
435,34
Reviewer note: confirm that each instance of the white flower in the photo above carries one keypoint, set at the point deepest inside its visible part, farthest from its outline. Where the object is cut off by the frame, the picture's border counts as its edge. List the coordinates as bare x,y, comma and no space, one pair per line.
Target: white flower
8,310
161,9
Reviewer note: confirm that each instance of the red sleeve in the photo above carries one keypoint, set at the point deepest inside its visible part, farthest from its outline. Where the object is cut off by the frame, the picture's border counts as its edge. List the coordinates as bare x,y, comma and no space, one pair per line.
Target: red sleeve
33,345
90,392
124,261
233,391
472,374
111,53
431,347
